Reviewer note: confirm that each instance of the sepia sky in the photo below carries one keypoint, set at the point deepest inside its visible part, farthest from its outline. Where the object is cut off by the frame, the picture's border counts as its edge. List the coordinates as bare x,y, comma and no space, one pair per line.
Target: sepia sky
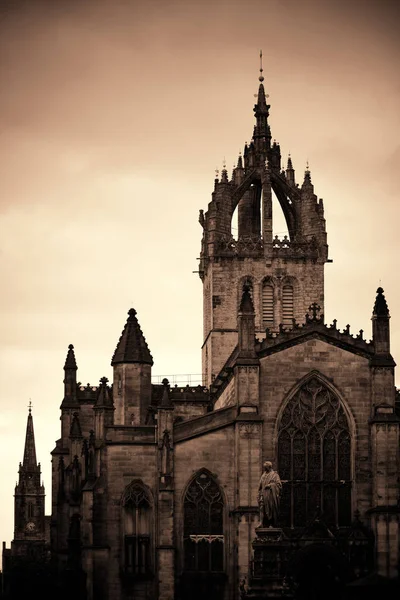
114,116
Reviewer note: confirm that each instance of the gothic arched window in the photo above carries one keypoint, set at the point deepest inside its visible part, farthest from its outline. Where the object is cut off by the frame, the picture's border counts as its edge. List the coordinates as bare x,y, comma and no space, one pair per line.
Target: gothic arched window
287,305
314,457
267,304
203,525
137,528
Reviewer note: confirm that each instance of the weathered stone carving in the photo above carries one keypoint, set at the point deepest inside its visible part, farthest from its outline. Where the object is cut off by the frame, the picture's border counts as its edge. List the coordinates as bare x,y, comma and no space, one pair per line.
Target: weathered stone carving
269,493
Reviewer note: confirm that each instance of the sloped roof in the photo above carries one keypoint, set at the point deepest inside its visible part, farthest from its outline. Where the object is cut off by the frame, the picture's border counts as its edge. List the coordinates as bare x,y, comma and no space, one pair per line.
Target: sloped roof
132,346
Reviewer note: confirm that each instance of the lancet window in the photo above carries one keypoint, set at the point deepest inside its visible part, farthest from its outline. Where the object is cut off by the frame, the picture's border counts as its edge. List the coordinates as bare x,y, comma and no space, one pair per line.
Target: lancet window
267,304
287,305
137,529
314,458
203,525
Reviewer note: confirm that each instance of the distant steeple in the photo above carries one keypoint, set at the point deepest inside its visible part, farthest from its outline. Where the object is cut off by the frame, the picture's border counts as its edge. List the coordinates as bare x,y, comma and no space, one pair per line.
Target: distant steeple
132,346
29,461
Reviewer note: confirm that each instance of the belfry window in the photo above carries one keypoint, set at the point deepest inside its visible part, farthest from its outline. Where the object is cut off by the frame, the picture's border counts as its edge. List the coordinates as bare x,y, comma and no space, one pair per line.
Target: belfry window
267,305
203,525
287,305
314,458
137,527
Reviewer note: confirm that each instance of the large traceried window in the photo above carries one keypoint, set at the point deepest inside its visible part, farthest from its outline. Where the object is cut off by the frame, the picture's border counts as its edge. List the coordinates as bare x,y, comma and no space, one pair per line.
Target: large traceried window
203,525
314,457
137,528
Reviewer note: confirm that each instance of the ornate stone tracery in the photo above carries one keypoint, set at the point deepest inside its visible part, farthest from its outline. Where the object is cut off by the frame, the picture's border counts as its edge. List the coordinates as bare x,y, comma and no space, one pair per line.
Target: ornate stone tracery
314,453
203,524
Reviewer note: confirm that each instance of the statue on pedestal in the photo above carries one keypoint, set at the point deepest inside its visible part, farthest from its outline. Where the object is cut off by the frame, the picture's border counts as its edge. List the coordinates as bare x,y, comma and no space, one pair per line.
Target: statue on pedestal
269,493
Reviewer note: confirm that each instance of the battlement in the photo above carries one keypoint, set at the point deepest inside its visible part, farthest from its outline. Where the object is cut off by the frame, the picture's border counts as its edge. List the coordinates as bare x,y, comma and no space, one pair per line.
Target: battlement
315,323
253,246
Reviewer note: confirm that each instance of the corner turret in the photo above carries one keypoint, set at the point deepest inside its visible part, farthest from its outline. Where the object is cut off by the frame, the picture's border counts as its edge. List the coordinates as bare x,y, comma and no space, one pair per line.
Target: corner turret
132,364
380,325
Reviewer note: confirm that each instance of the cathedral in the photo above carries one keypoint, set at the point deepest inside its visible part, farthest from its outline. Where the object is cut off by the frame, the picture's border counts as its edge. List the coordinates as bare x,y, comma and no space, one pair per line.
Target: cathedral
155,487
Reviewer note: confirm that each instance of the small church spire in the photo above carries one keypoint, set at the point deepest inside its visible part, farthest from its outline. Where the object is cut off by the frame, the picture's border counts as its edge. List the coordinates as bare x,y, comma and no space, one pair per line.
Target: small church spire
380,324
70,368
307,177
290,171
29,461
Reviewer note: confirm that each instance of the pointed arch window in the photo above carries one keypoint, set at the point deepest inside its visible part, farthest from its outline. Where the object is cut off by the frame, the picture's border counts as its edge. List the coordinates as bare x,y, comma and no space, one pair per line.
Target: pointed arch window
268,304
314,457
203,525
287,305
137,528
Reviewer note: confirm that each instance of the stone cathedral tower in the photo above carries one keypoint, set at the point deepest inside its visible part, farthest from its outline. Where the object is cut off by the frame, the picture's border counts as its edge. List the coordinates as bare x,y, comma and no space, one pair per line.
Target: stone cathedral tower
155,487
29,521
285,275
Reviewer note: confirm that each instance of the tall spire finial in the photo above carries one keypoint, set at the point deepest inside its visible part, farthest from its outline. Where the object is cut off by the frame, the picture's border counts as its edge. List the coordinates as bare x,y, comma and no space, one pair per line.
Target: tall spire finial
261,78
30,406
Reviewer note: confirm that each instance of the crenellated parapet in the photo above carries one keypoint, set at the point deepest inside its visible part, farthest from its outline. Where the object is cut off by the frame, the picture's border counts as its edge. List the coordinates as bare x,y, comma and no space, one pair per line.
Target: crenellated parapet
314,325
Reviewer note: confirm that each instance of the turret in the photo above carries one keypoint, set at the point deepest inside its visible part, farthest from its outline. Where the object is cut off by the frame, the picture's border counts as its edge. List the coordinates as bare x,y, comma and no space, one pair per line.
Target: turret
132,364
103,409
70,402
380,325
290,172
70,368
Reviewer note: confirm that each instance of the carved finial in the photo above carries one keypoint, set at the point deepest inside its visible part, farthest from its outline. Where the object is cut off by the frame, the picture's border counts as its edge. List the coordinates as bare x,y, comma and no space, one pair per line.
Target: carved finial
261,78
30,406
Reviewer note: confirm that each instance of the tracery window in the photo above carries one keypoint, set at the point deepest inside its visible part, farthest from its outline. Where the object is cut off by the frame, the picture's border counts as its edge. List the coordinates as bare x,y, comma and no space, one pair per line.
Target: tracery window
137,527
314,457
203,525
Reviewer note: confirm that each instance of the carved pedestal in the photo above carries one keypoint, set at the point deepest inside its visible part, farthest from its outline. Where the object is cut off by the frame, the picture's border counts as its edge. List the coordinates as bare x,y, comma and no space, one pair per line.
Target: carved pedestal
271,554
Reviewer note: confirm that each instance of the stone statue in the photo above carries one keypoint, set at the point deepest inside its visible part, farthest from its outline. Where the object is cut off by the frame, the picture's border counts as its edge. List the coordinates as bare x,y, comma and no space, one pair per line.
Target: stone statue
269,493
